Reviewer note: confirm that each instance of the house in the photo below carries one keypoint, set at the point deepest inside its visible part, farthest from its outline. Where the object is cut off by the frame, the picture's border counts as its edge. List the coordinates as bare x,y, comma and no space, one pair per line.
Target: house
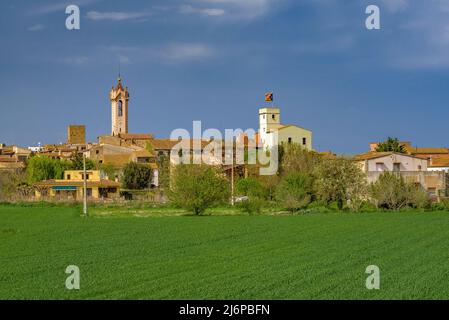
425,153
414,169
272,133
12,158
439,163
71,187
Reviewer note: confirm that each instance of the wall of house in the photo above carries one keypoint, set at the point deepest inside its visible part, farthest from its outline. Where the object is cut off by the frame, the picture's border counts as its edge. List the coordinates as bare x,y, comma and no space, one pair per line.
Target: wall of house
407,163
295,133
94,175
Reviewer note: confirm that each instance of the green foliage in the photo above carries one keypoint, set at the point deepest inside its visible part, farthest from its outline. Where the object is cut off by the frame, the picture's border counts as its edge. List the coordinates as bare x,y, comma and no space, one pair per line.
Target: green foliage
251,206
392,192
108,169
13,185
251,187
78,163
340,180
163,165
198,187
41,168
295,191
136,176
391,145
294,158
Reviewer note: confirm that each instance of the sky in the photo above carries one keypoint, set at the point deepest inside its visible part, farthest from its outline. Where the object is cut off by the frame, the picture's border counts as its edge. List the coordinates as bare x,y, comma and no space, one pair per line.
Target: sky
213,60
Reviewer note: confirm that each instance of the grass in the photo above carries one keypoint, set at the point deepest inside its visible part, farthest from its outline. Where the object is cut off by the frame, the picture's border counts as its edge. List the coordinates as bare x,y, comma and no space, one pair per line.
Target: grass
319,256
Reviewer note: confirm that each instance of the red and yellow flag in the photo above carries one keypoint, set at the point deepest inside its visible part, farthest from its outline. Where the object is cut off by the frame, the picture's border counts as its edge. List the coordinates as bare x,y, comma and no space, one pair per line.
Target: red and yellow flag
269,97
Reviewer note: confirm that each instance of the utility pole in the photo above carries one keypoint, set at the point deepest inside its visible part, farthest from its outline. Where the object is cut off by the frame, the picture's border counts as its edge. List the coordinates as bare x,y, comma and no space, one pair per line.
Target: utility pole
232,183
85,186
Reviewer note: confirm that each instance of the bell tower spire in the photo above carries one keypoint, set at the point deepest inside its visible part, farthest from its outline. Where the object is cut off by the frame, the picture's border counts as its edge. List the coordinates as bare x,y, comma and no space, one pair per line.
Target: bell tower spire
119,97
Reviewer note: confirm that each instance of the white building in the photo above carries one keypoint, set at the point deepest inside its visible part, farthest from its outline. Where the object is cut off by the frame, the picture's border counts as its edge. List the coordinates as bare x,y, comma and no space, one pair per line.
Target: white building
273,133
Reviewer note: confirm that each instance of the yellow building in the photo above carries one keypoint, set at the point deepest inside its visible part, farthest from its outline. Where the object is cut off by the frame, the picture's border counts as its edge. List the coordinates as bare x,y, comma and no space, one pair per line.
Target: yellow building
272,133
72,186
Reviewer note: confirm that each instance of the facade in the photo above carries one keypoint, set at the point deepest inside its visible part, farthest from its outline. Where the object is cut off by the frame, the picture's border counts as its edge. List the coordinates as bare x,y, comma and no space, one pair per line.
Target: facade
119,98
272,133
414,169
12,158
72,186
76,134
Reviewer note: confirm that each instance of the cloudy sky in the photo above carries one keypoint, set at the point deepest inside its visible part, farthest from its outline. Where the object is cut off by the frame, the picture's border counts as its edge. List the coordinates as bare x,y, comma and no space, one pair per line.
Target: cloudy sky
212,60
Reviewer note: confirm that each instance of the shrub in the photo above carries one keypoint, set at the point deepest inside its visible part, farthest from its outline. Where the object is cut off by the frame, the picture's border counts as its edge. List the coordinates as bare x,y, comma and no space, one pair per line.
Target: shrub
392,192
41,168
251,206
294,158
198,187
340,180
136,176
294,191
251,187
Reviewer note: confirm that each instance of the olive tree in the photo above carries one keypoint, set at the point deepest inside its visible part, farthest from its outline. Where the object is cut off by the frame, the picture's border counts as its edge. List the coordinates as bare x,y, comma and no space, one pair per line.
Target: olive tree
340,180
198,187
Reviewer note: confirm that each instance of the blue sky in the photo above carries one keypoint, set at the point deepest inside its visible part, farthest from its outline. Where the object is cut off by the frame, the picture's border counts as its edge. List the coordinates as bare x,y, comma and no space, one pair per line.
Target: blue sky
212,60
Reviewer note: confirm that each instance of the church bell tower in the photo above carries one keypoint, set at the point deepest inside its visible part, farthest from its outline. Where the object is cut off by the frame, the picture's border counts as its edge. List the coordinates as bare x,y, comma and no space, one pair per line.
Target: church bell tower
119,97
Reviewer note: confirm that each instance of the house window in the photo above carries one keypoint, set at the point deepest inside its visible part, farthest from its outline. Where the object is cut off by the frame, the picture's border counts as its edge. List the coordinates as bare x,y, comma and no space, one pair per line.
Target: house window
304,141
419,167
396,167
379,166
289,140
97,151
68,177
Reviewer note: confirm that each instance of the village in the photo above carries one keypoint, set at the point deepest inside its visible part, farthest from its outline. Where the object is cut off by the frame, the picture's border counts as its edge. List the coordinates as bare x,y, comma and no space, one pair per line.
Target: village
427,167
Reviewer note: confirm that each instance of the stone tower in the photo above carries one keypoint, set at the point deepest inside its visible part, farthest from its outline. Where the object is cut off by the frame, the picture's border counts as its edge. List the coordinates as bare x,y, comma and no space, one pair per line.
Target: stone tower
269,119
119,97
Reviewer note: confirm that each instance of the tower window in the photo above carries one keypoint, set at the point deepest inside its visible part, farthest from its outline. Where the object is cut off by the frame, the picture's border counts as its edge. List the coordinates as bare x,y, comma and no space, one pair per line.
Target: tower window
289,140
273,117
120,108
304,141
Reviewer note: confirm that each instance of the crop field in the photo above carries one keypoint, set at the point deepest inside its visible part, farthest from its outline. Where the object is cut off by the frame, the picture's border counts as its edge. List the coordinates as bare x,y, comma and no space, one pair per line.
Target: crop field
316,256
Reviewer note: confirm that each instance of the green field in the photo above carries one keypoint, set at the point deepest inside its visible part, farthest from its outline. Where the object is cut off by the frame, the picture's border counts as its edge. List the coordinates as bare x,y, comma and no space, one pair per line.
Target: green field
317,256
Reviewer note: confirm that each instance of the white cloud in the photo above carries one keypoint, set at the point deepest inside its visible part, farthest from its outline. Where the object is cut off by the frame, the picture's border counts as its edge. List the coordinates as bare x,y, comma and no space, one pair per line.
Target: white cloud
60,6
188,9
394,6
243,9
36,27
168,53
116,16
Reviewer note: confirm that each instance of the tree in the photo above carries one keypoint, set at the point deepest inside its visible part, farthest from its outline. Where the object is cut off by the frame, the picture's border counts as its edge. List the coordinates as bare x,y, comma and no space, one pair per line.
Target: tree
136,176
294,158
41,168
108,169
340,180
392,192
295,190
163,165
198,187
391,145
251,187
78,163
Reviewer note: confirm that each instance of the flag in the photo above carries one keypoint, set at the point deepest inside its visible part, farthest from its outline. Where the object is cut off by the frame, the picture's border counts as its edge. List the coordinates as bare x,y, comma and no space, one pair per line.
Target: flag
269,97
